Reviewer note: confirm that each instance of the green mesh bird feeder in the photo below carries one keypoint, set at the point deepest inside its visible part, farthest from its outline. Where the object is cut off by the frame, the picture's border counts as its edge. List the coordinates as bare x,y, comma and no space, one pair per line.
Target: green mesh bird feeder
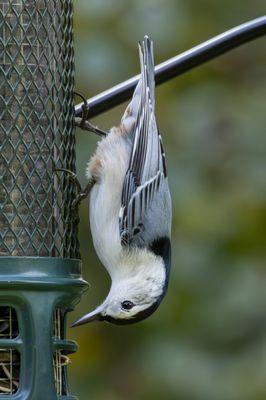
40,271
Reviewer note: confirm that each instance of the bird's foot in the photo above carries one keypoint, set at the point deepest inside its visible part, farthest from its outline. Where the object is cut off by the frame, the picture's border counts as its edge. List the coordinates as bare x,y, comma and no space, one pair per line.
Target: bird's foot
82,192
84,123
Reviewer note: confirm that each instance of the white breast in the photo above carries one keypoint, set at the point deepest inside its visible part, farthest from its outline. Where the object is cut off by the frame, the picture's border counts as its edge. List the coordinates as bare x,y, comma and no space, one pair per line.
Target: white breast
105,199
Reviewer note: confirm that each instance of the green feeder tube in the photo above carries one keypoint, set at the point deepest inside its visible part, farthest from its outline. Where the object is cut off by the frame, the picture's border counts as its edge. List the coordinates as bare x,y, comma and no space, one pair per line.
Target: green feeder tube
40,270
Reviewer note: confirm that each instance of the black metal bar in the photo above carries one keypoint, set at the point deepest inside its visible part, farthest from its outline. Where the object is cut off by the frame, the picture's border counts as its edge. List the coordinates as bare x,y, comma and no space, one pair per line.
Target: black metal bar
178,65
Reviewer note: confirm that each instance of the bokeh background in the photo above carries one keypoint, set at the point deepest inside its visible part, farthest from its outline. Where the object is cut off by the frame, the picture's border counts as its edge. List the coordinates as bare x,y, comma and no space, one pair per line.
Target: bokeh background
208,339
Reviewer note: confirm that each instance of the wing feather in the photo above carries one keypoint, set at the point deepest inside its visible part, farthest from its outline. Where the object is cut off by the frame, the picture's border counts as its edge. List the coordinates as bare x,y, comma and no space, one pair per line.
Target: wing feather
146,178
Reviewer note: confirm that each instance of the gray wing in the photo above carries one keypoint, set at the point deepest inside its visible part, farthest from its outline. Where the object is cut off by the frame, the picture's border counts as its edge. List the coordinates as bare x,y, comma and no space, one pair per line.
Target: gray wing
145,212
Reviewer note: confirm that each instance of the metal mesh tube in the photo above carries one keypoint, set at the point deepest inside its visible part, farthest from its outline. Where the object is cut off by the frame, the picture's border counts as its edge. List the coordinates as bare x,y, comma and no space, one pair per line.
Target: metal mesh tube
37,132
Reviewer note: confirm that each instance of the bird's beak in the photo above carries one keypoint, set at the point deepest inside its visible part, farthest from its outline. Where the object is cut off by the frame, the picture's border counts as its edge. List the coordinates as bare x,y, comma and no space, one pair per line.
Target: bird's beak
95,315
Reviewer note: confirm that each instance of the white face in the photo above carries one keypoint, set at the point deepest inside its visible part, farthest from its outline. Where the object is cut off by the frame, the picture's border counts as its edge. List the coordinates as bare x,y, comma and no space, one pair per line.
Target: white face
136,292
128,306
130,297
129,313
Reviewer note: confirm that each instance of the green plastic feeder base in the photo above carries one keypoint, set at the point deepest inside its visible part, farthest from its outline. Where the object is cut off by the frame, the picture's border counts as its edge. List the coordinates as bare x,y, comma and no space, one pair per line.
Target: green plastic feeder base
35,287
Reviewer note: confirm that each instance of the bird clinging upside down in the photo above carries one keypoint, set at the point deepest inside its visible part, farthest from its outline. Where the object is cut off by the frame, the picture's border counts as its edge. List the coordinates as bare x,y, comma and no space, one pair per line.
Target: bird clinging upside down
130,208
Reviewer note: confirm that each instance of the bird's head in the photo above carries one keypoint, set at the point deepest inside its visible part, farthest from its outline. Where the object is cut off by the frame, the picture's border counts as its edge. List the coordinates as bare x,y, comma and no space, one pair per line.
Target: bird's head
132,297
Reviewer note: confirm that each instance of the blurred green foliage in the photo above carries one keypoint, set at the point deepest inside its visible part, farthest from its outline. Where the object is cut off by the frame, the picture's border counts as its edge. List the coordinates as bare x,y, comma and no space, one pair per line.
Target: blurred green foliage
208,339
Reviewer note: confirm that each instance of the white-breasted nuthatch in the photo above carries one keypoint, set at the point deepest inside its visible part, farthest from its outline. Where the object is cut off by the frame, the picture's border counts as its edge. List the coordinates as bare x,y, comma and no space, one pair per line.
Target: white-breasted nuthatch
130,208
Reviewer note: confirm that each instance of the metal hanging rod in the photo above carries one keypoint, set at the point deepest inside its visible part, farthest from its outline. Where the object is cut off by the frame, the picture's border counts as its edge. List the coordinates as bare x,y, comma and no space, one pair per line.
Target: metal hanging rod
178,65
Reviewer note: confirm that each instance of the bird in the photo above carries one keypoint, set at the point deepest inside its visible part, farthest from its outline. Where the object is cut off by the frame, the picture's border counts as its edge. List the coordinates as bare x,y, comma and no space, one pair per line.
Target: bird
130,207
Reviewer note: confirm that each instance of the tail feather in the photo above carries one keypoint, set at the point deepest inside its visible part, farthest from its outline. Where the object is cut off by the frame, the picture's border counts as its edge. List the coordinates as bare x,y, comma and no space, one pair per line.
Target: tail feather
148,61
146,85
146,82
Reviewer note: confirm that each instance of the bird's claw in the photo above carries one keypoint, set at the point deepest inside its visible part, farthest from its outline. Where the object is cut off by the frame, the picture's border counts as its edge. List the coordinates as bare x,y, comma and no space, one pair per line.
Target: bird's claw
74,179
83,122
82,193
78,199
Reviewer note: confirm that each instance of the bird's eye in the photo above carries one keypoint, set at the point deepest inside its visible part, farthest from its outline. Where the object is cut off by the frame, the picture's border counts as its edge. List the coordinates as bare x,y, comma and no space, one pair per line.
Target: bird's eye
127,305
